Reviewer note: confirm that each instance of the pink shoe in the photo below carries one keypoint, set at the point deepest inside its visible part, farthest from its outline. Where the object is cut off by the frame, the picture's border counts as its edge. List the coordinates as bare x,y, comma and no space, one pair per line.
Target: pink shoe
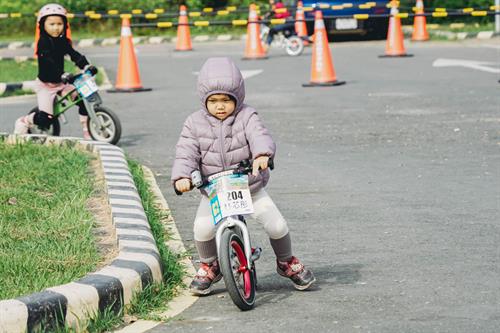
207,275
86,134
21,126
301,277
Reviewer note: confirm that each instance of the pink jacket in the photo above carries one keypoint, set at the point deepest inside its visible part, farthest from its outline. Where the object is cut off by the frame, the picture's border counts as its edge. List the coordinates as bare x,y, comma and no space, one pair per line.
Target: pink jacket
212,145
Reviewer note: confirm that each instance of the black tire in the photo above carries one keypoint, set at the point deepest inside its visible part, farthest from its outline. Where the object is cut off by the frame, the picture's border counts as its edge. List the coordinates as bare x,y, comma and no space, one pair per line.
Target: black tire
113,128
377,28
241,286
54,129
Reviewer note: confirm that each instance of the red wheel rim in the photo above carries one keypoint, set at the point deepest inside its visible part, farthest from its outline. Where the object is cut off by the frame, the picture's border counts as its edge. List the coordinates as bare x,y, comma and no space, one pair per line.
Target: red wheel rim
243,267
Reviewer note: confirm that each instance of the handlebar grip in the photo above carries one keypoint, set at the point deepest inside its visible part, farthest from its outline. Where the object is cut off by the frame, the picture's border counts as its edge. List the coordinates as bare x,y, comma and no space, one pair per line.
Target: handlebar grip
93,70
67,78
270,163
177,192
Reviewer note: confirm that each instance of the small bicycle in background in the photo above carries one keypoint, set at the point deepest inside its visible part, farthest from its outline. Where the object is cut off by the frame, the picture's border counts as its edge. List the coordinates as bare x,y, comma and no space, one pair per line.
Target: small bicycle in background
103,124
230,201
288,40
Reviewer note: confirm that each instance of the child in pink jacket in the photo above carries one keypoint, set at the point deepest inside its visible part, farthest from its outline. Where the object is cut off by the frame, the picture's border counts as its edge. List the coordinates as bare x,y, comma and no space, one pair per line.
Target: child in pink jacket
221,134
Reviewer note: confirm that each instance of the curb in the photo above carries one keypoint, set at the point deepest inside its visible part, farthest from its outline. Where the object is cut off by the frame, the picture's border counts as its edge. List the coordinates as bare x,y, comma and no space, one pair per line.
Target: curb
482,35
29,85
184,298
9,87
18,58
136,266
87,42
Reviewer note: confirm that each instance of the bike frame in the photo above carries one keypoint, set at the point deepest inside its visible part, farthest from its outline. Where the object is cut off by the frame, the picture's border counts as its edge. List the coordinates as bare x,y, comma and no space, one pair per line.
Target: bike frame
65,102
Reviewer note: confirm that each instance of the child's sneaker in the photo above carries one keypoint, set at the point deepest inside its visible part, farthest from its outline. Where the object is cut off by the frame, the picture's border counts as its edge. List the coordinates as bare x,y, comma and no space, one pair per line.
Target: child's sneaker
206,276
21,126
301,277
86,134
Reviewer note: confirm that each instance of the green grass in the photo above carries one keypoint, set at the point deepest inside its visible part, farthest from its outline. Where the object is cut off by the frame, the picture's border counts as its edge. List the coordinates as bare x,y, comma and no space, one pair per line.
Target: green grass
16,72
153,300
45,230
470,27
42,192
12,71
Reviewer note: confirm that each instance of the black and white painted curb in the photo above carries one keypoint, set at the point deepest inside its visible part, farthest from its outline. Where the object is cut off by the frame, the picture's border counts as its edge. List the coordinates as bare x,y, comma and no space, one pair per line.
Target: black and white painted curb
483,35
30,85
136,266
9,87
82,43
18,58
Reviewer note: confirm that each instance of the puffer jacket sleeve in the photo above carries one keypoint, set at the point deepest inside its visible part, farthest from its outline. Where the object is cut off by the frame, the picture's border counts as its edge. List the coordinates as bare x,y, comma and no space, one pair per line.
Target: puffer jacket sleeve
187,153
258,137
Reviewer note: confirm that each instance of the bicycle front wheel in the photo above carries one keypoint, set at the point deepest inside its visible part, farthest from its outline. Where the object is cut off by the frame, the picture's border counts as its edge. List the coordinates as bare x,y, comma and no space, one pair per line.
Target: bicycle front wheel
239,279
294,46
111,129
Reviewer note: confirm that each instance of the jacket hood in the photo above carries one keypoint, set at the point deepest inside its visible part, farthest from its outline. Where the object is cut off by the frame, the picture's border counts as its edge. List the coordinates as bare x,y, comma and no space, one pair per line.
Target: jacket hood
219,75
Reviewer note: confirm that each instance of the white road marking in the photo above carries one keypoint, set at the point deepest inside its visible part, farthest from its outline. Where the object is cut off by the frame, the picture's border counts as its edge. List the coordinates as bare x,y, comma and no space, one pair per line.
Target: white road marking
477,65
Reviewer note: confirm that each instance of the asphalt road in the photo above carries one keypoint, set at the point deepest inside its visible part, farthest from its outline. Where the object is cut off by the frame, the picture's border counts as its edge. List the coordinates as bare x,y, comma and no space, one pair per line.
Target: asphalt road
390,184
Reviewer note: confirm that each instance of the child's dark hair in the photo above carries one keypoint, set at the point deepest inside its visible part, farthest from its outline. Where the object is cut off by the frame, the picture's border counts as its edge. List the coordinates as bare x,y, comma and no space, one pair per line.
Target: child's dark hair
231,97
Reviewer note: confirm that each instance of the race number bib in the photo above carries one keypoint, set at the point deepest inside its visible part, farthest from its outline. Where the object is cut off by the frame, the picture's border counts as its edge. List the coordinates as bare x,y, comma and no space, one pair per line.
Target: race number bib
229,196
85,85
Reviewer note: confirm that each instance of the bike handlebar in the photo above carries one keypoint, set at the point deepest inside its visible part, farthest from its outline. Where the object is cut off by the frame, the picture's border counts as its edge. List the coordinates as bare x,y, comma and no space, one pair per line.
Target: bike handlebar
70,77
245,167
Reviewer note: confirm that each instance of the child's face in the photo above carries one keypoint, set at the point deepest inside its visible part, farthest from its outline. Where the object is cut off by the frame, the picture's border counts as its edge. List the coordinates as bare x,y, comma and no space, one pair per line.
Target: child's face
54,25
220,105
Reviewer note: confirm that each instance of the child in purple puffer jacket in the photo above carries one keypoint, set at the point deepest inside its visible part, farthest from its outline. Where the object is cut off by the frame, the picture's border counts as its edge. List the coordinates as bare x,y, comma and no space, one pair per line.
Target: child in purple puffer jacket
216,138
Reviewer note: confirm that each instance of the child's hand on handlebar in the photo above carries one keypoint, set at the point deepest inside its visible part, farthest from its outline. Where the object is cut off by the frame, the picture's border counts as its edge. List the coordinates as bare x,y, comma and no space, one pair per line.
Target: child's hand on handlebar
91,68
260,163
183,185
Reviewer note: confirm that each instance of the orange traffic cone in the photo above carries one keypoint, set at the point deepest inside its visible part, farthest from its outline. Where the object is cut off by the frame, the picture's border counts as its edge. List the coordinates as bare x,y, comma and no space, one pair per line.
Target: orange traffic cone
254,49
300,23
395,41
322,72
37,37
420,23
127,77
183,32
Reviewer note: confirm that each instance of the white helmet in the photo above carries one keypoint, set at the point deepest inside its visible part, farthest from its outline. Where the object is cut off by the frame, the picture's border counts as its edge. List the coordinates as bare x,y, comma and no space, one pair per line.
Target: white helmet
51,9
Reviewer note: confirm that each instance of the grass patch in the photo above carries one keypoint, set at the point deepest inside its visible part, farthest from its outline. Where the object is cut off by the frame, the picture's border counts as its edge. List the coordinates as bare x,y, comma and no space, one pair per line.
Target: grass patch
16,72
154,299
470,27
42,192
45,230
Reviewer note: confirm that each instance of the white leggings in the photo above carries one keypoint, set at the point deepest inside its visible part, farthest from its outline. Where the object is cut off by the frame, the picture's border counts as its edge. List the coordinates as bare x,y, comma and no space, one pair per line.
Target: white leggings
266,213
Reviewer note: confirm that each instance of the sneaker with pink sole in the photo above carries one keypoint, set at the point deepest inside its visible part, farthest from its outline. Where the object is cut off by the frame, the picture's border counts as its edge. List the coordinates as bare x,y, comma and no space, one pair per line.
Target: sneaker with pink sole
301,277
207,275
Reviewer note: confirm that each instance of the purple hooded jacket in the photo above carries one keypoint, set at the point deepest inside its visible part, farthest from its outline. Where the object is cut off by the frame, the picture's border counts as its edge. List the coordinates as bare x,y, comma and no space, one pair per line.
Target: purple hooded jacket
212,145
